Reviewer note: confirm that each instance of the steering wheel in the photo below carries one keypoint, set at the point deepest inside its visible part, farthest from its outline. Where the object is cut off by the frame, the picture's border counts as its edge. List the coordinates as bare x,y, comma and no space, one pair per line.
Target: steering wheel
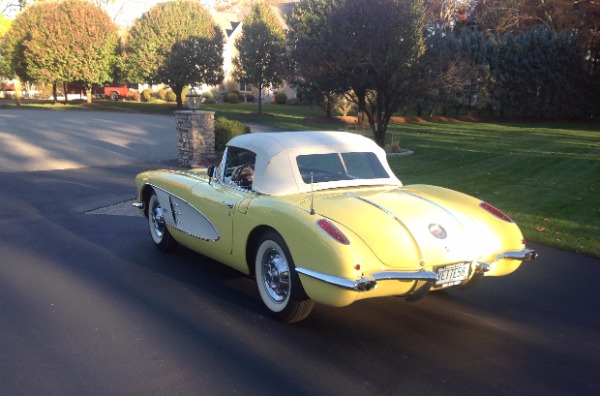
243,175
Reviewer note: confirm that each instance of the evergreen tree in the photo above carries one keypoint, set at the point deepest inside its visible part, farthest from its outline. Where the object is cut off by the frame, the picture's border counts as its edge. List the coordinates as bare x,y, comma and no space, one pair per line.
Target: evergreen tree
439,76
474,50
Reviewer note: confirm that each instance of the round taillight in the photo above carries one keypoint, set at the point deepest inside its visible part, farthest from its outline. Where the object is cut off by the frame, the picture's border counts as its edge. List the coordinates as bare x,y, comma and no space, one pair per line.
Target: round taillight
496,212
333,231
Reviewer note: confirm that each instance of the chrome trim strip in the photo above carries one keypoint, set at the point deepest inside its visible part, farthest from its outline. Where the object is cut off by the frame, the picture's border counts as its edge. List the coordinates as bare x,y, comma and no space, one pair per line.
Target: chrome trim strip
139,205
387,211
391,214
523,255
422,198
366,283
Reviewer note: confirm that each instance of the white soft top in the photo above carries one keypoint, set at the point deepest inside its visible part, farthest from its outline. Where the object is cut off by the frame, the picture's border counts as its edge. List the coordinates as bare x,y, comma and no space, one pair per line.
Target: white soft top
276,170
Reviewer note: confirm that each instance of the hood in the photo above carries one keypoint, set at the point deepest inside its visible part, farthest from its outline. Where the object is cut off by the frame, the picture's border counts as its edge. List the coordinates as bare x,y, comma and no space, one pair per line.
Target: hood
403,228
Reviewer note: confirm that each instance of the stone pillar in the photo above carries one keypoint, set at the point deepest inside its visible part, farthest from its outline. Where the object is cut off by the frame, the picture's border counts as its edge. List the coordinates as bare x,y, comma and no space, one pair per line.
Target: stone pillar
195,137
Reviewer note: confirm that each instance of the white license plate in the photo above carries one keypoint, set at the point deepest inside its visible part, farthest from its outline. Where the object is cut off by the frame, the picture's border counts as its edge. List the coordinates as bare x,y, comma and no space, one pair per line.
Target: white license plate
452,275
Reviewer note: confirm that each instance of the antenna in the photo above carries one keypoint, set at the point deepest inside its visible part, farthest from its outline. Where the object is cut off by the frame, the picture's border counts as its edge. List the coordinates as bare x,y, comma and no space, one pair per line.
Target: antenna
312,195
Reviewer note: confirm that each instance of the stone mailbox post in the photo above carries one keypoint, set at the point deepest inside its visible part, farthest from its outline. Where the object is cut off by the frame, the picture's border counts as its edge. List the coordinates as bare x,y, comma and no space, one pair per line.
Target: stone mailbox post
195,137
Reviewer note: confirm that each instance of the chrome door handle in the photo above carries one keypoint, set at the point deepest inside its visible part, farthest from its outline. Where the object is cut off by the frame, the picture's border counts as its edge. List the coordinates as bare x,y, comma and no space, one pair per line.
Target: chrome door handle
228,204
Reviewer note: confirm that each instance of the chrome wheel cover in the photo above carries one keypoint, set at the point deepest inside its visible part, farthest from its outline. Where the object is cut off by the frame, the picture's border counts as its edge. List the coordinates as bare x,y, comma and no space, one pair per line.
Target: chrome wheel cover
157,220
275,275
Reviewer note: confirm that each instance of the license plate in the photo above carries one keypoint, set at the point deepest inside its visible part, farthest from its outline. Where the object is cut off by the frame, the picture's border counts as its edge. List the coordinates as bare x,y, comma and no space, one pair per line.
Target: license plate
452,275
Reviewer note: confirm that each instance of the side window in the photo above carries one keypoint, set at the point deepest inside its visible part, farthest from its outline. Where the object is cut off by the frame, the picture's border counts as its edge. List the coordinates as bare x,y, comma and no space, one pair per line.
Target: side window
238,169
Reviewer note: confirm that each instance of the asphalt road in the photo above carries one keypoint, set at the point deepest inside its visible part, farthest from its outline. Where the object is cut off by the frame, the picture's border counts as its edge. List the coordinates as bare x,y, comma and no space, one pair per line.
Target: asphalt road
89,306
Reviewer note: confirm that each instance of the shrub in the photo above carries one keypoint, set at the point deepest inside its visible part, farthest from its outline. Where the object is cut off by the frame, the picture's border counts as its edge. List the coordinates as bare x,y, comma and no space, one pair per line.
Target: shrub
280,98
148,95
293,101
162,94
250,98
231,98
207,95
134,96
171,97
225,130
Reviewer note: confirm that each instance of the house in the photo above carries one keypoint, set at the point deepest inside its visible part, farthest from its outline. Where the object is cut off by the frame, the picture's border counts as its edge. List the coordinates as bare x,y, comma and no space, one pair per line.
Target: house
232,23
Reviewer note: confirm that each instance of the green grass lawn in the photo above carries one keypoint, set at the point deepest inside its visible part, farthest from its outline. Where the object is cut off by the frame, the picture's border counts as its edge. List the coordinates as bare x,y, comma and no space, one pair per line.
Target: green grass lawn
544,175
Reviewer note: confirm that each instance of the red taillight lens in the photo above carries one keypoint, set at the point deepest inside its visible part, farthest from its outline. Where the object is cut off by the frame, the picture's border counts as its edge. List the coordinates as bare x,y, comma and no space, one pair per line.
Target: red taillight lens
333,231
496,212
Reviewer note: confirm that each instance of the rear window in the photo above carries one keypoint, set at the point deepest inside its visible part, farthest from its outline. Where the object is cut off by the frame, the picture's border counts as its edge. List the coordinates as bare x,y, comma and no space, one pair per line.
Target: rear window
320,168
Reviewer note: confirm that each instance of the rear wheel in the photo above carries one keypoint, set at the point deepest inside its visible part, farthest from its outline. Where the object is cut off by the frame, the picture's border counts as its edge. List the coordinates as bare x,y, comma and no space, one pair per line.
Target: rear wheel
278,282
114,96
158,228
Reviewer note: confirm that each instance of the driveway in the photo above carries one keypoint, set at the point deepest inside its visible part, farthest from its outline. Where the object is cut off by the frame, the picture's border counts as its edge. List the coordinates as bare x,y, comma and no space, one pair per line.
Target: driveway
89,306
37,140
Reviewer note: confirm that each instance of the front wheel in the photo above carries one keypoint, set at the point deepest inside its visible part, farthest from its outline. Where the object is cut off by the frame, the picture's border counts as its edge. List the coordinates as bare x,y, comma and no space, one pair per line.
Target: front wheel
158,228
278,283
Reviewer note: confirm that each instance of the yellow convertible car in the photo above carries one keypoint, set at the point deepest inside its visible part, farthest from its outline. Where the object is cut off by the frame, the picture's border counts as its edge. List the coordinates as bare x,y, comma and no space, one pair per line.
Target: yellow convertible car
320,217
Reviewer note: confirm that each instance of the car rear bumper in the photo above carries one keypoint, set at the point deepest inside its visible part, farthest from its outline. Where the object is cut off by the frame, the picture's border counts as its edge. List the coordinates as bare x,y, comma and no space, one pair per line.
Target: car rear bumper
523,255
425,279
366,283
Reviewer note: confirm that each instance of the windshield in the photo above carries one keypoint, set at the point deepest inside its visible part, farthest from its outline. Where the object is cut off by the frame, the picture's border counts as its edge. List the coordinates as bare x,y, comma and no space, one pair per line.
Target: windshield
318,168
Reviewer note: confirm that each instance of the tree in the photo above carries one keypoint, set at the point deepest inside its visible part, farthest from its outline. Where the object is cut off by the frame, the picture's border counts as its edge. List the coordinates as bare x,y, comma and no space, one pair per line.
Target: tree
378,42
369,49
65,41
153,35
77,41
441,73
550,78
4,25
261,50
447,13
193,60
474,50
311,49
12,56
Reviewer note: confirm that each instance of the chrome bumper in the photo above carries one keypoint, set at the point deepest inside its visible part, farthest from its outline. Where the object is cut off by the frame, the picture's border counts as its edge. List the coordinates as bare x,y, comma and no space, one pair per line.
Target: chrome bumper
428,278
369,282
366,283
523,255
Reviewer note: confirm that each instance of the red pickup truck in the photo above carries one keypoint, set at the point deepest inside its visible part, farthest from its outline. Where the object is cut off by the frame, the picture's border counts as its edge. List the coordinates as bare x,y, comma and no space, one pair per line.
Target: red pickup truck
116,93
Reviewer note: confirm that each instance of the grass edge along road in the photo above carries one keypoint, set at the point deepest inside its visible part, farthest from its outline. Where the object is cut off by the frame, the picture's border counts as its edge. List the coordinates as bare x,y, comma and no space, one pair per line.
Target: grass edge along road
546,176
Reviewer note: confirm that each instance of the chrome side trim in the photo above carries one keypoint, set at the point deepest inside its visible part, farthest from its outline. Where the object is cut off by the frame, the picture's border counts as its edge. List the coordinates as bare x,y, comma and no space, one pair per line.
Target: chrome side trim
366,283
523,255
185,217
139,205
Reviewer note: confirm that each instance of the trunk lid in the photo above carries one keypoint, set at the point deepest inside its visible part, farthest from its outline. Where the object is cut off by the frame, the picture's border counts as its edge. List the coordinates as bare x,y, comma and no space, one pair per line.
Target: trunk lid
401,227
